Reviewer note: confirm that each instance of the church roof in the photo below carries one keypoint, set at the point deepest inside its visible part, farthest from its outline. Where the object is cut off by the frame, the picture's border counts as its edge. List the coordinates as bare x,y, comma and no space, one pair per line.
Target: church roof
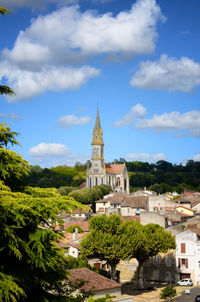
114,168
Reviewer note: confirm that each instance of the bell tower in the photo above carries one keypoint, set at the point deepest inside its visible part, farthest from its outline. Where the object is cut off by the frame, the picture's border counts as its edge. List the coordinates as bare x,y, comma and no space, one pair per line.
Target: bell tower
97,145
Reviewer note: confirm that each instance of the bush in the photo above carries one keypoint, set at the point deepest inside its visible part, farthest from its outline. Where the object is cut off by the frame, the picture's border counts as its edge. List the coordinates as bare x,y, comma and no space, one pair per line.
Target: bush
72,228
64,190
168,292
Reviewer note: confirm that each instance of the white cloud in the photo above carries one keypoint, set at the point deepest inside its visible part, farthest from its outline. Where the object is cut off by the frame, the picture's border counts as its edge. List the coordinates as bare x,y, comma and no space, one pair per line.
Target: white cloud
146,157
68,121
12,116
49,150
27,84
196,157
168,74
53,154
68,34
174,121
137,112
53,43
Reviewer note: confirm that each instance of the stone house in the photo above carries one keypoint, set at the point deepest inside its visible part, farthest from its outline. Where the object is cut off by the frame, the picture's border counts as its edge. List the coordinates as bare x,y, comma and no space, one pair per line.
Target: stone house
188,255
133,205
96,283
161,204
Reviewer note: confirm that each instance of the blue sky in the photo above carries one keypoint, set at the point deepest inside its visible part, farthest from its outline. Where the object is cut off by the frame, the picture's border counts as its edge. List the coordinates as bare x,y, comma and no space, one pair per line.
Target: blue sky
138,60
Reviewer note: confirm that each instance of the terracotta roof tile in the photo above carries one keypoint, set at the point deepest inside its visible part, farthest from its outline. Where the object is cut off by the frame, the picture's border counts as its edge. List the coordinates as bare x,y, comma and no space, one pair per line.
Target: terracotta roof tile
94,282
114,168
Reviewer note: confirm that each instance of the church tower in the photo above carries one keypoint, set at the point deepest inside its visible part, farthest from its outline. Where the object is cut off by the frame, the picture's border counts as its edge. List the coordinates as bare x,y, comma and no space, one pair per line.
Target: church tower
115,175
97,145
96,174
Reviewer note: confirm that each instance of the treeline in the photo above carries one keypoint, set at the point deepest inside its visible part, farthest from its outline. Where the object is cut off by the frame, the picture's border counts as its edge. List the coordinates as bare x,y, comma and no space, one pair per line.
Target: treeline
57,176
161,177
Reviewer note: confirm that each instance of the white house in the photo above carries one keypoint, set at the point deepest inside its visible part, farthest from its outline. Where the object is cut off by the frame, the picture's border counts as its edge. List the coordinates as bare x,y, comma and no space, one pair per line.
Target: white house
188,255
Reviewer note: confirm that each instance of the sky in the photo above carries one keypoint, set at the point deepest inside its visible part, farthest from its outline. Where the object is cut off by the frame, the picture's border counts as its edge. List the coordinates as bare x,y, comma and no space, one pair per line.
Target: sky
138,61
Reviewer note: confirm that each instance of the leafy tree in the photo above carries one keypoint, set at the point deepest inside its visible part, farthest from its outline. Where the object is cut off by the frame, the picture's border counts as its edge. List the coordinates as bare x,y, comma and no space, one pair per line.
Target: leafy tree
31,264
72,228
145,241
104,241
168,292
65,190
107,298
13,168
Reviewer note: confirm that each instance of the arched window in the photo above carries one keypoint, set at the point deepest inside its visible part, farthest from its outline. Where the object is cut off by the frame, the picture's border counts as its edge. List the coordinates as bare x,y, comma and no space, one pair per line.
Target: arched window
90,182
96,181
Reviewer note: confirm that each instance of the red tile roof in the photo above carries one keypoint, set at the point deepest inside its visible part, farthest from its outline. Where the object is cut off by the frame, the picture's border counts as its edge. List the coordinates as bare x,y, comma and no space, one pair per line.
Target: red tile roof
94,282
114,168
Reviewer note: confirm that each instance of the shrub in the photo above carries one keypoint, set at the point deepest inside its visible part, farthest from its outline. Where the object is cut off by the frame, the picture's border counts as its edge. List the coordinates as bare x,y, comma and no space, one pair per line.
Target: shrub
72,228
168,292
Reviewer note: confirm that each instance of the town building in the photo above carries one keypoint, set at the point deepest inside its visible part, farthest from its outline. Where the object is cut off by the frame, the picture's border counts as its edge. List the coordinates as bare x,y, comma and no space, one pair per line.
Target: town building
188,255
115,175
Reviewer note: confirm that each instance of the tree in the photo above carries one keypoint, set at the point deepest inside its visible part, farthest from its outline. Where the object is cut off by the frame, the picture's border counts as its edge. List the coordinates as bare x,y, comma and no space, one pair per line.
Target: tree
72,229
145,241
13,168
104,241
31,264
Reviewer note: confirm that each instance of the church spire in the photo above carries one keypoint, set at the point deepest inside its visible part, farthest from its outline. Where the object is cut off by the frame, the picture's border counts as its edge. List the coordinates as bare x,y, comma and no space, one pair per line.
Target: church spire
97,132
97,124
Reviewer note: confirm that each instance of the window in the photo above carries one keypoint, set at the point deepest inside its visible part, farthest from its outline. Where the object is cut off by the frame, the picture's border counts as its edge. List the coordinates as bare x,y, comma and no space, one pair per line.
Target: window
183,248
182,263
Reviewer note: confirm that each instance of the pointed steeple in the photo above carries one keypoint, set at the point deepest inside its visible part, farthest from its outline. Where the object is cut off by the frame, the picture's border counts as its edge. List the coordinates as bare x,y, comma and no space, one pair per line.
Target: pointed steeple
97,124
97,132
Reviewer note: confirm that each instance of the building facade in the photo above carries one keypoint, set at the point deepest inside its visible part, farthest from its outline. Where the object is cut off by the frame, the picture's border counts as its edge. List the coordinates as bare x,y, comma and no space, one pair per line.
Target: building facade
115,175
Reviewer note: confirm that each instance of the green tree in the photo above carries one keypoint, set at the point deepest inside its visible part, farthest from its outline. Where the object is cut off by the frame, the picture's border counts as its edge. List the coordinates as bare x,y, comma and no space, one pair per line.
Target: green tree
104,241
72,229
13,168
31,264
145,241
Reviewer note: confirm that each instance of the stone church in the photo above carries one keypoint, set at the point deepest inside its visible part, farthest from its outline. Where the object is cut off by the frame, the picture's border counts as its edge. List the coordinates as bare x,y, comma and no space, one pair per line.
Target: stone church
115,175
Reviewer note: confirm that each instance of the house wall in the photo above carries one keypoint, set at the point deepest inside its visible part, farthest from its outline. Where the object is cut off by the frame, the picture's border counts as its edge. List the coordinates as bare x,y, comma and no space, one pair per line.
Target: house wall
102,206
191,253
150,217
72,251
160,203
112,292
129,211
184,210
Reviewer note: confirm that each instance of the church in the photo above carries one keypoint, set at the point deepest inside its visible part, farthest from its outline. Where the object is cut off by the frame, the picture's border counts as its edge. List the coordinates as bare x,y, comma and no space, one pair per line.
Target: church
115,175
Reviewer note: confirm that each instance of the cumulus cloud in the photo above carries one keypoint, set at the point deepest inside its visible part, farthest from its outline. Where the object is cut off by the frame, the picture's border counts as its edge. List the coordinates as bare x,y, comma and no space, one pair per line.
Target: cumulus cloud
146,157
27,84
168,74
137,112
12,116
53,154
172,122
53,43
49,150
196,157
68,121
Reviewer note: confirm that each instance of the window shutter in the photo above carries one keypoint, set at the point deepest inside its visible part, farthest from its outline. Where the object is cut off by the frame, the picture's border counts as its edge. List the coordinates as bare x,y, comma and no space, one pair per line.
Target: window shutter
179,262
182,248
186,263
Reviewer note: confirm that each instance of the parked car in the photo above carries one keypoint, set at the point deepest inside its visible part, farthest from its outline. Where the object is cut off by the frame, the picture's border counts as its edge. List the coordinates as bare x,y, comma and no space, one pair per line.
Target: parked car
185,282
197,298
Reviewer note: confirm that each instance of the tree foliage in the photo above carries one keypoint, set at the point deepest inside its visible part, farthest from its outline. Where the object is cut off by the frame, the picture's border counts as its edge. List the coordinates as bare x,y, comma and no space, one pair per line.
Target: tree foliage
13,168
104,240
72,228
88,195
168,292
31,263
